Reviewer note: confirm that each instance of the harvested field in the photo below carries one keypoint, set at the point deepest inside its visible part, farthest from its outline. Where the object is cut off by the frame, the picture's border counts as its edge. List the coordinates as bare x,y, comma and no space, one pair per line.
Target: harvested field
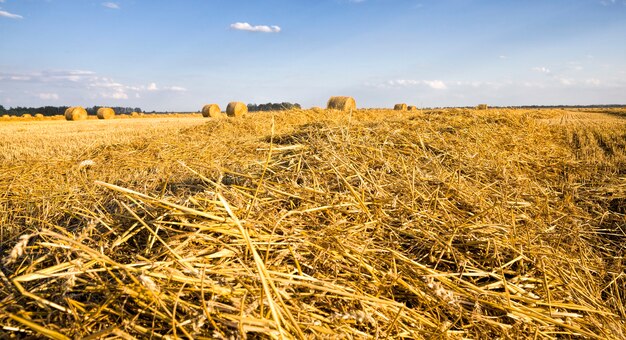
316,224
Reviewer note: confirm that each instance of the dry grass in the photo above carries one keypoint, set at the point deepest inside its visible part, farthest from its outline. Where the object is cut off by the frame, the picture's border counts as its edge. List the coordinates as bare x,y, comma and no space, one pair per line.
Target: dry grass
59,141
306,224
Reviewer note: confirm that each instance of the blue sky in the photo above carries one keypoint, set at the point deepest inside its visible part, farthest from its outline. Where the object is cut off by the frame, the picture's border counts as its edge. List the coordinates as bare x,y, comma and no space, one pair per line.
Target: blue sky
179,55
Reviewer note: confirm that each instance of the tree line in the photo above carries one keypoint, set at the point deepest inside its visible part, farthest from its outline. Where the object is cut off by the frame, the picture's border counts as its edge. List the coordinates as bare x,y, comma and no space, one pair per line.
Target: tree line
273,106
58,110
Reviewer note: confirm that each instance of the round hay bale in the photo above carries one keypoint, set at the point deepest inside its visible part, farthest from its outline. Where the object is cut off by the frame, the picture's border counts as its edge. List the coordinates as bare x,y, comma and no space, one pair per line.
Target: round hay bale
27,115
75,113
236,109
400,107
341,103
38,115
412,108
482,107
317,109
105,113
134,114
212,110
5,116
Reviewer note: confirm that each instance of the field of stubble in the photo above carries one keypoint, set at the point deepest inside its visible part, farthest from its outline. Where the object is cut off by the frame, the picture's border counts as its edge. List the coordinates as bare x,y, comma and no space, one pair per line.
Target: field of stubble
300,224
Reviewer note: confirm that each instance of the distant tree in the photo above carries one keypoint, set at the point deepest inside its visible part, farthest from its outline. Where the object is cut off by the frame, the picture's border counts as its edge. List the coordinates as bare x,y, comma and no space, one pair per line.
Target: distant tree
2,110
273,106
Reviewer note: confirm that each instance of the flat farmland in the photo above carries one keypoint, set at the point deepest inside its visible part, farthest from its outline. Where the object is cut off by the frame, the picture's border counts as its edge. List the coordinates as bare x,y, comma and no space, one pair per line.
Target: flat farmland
455,223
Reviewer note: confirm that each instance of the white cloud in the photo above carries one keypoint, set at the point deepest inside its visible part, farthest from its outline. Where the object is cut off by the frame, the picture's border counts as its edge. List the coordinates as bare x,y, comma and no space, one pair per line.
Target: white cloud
542,69
152,87
111,5
118,94
244,26
175,89
49,96
436,84
6,14
433,84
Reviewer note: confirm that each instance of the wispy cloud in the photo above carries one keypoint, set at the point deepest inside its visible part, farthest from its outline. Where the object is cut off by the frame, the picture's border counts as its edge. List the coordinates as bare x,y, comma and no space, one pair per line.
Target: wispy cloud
49,96
542,69
111,5
244,26
95,86
175,89
433,84
6,14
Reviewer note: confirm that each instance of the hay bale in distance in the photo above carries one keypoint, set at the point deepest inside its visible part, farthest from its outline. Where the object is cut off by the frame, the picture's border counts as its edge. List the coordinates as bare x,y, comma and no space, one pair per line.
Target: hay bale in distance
412,108
27,115
341,103
482,107
75,113
236,109
134,114
105,113
212,110
400,107
38,115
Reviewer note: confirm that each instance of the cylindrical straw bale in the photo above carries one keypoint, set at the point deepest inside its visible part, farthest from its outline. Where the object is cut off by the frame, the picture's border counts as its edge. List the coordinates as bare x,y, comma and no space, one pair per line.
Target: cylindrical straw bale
105,113
412,108
236,109
400,107
75,113
212,110
341,103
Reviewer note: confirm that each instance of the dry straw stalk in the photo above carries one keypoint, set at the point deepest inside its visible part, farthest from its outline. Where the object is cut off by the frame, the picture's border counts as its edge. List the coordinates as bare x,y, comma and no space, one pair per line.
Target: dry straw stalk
379,224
